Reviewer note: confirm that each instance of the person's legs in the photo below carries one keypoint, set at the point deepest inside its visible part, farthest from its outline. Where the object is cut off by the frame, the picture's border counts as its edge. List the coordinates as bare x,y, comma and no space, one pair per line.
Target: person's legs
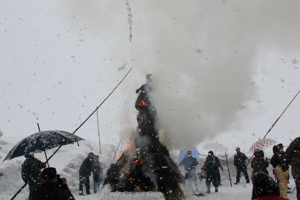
208,182
96,186
297,181
238,176
246,175
216,182
81,182
87,185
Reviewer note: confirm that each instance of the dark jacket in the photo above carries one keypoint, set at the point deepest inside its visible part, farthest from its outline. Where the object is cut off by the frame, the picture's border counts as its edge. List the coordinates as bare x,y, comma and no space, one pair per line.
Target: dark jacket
258,163
211,166
31,171
52,191
295,163
86,167
240,161
189,163
264,185
276,158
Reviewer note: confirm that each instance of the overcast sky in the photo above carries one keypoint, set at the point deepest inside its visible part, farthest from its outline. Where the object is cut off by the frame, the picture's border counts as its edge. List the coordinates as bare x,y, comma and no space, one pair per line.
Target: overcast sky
219,67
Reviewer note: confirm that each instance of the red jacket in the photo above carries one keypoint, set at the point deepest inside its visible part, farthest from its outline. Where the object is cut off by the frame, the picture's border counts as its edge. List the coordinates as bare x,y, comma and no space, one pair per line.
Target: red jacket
271,197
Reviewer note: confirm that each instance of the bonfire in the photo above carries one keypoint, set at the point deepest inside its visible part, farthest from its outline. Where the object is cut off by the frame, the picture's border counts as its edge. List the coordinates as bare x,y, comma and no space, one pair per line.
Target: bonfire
146,165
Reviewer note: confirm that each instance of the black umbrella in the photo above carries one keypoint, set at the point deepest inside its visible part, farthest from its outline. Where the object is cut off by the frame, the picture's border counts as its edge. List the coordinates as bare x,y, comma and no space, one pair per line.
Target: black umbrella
40,142
293,145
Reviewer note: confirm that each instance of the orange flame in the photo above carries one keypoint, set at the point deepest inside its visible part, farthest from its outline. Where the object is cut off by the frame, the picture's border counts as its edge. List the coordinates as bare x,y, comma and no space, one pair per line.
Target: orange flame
143,103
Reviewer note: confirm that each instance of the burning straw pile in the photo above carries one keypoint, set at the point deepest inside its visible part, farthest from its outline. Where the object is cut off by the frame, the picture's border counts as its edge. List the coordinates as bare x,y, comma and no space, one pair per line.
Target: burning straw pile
146,164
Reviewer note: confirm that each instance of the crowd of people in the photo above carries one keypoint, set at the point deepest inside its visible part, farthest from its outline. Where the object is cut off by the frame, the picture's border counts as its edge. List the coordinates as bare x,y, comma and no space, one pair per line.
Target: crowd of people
48,185
264,186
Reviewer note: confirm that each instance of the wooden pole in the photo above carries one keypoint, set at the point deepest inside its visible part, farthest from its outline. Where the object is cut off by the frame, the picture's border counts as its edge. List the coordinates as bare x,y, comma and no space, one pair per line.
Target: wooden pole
93,112
99,131
228,169
277,121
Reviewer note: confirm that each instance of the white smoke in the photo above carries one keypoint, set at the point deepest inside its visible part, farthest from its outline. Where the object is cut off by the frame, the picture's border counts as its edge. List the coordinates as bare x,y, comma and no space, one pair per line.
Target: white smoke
202,56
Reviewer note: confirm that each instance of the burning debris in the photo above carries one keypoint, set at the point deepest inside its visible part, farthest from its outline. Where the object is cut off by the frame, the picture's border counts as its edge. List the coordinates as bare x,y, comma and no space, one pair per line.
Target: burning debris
146,164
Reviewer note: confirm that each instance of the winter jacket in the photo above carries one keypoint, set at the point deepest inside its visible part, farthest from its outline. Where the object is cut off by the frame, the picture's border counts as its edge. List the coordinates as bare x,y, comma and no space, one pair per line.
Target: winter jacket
283,177
276,160
189,163
31,171
264,186
240,161
211,166
86,167
258,163
51,191
295,163
98,171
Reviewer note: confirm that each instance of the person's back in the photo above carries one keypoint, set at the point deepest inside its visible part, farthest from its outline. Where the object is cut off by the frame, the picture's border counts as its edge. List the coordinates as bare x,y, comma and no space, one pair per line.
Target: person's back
264,187
258,163
86,166
85,171
51,191
52,188
31,172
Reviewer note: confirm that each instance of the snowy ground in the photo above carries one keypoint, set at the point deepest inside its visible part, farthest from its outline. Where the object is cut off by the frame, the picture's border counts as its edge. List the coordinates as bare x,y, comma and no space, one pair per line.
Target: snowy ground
69,158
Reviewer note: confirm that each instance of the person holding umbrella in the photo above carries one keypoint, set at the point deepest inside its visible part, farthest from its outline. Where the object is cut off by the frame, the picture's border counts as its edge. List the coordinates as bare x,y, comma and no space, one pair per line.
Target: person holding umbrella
31,172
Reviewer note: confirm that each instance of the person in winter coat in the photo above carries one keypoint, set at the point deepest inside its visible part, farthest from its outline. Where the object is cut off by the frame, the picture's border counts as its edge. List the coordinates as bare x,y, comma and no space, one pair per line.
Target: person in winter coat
283,179
85,171
258,163
240,165
98,176
275,160
53,187
295,164
31,172
211,166
265,188
189,163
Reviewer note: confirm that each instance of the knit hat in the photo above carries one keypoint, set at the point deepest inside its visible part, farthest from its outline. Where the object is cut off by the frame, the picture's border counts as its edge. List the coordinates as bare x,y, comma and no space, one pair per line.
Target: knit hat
49,173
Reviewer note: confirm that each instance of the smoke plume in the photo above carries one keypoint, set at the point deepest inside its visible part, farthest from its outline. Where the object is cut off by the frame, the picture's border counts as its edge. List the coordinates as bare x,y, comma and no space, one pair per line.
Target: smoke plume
202,56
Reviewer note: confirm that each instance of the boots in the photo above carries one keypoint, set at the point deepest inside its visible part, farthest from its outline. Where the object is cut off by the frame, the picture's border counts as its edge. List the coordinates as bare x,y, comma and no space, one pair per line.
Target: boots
81,193
216,189
88,192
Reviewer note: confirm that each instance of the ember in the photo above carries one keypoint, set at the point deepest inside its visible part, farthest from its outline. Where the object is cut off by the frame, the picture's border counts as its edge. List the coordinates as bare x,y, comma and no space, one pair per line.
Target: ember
145,165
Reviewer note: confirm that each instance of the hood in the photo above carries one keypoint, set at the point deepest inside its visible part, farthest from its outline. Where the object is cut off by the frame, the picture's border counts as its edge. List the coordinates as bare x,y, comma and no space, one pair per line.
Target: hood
258,153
